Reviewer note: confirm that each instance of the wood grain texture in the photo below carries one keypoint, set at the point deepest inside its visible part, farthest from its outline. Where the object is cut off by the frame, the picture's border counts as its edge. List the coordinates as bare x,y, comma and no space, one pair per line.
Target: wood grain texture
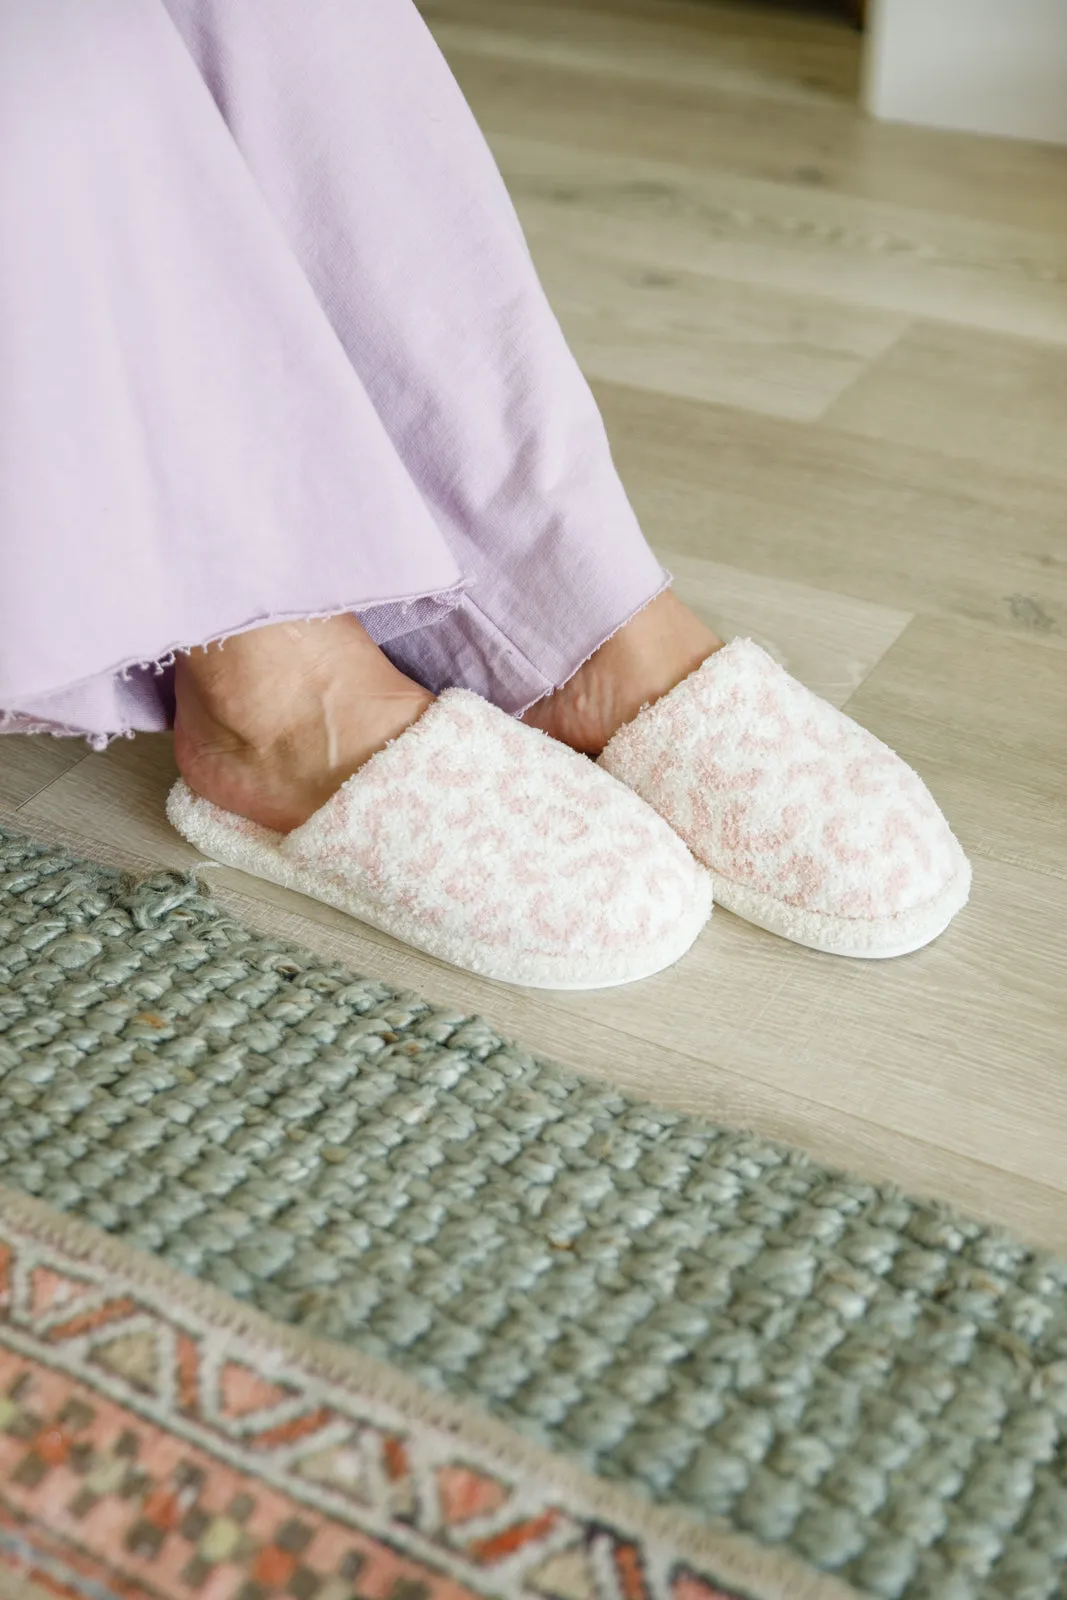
29,762
829,641
997,400
760,93
117,797
791,355
894,525
985,720
809,61
801,327
795,237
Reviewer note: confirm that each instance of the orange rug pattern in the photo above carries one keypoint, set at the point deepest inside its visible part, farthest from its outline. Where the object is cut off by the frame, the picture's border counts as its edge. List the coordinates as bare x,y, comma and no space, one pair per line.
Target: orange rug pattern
148,1453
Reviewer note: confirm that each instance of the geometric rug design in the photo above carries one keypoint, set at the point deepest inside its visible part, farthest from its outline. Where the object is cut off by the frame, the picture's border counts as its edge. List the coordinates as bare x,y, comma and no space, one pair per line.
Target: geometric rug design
146,1449
840,1388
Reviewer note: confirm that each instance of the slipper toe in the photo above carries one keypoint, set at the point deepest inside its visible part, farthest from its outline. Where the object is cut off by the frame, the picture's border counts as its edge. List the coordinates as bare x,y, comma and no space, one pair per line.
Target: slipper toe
810,826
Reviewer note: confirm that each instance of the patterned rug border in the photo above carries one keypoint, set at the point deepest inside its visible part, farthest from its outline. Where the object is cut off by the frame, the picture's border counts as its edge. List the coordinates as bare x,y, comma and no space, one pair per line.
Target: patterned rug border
671,1539
659,1311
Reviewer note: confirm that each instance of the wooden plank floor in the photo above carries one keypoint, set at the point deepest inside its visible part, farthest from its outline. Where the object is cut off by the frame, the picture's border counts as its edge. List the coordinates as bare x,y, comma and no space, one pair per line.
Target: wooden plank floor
833,360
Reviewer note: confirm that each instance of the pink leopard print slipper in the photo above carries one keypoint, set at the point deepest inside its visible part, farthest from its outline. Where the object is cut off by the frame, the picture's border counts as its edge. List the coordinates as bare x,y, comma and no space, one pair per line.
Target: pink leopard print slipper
489,845
809,825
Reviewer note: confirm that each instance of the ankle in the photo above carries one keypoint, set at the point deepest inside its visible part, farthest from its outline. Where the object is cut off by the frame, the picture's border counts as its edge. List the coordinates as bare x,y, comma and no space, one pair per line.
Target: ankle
250,691
271,729
647,658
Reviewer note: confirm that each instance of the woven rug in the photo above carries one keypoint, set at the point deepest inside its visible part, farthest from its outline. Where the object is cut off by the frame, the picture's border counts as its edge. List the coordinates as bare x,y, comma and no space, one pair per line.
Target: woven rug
715,1363
157,1442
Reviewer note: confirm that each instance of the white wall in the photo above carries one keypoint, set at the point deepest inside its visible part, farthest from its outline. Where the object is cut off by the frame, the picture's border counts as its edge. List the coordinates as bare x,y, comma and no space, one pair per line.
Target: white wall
987,66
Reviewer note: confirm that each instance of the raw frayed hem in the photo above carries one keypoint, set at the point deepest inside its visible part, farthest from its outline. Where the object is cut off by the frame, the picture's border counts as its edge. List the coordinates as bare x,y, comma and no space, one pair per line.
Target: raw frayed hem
636,612
34,723
447,599
15,722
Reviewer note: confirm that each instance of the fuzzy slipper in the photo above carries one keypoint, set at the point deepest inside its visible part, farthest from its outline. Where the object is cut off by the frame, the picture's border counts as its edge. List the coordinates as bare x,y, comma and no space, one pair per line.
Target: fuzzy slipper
810,826
489,845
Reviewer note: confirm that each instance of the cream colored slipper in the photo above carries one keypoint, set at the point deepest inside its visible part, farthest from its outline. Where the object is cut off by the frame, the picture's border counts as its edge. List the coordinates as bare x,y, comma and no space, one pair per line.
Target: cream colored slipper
489,845
810,826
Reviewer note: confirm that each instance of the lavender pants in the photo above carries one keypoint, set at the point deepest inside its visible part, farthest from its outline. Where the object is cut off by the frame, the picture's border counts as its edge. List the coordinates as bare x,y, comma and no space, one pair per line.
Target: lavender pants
272,346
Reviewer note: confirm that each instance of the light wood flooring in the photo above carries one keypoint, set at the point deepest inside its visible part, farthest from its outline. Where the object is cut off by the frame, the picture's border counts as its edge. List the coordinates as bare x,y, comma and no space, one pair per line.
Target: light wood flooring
833,360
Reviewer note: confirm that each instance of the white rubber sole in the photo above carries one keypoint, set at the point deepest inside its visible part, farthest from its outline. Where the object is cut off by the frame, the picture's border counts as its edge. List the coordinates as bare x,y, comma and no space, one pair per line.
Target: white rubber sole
255,852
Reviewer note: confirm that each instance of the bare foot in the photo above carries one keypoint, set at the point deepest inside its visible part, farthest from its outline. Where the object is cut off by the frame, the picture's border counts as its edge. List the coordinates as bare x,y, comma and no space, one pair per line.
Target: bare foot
270,724
647,658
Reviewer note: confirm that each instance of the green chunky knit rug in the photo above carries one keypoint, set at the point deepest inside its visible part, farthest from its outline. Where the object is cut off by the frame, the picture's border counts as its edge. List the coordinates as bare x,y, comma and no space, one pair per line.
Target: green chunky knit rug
860,1378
